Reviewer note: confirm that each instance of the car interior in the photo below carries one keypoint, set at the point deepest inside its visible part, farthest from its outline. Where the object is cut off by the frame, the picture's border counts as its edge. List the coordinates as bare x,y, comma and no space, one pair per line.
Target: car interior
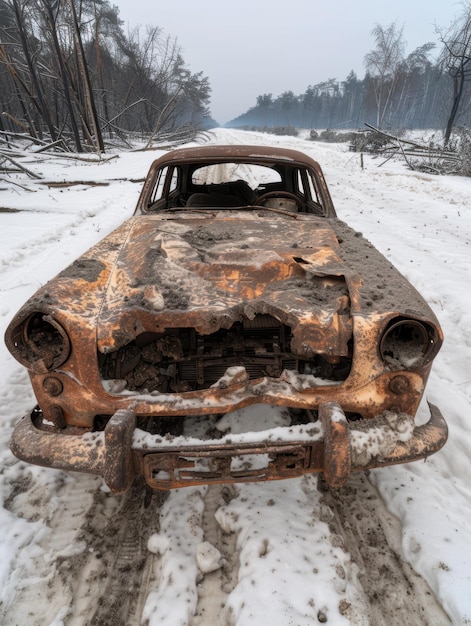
282,188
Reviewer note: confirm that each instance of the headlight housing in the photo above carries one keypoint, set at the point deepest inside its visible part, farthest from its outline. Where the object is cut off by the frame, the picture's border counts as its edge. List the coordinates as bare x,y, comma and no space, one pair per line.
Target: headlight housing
408,344
39,342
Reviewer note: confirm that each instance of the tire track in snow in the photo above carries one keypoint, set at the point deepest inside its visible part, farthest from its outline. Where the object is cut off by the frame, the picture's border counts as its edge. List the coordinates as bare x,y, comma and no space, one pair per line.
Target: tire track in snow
90,563
396,594
214,587
44,572
128,571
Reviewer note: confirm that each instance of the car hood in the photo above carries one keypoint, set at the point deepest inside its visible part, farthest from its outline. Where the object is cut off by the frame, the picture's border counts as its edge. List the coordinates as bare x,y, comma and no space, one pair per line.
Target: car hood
158,272
209,272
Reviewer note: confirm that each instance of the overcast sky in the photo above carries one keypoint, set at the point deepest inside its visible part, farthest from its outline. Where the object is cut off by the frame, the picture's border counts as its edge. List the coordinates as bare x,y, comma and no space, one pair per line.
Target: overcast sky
251,47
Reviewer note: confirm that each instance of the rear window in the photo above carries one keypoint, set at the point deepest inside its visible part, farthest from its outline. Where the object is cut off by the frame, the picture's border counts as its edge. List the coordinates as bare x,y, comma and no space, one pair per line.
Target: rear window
254,175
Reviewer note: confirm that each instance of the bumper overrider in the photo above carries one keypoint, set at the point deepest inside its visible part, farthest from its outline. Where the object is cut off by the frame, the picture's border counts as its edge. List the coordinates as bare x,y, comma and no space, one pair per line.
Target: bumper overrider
332,446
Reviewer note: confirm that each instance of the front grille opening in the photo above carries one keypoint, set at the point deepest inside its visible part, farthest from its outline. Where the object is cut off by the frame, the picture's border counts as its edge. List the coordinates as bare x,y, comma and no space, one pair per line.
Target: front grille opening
207,427
181,360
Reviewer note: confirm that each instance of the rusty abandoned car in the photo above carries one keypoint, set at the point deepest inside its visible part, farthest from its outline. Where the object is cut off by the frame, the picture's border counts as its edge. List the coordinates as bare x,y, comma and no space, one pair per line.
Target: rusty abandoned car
232,291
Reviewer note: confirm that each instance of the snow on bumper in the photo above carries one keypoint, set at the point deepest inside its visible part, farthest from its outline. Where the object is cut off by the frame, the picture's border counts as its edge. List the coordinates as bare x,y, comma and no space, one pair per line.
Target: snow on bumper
332,446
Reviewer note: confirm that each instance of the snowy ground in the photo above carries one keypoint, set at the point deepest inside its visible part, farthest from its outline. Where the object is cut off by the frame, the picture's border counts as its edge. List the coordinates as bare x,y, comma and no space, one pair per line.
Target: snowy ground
392,547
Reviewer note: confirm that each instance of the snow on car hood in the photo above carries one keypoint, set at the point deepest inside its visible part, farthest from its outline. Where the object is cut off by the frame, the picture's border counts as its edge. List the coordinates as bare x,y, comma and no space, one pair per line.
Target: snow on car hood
209,272
157,272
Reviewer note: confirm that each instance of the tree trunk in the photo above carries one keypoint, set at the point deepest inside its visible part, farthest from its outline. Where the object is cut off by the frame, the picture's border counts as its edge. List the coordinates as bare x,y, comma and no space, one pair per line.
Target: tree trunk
458,87
86,84
63,72
39,101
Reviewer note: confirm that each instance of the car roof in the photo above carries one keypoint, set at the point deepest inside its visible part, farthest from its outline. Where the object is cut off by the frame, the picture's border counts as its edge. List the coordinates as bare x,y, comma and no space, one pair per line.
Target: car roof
269,156
243,153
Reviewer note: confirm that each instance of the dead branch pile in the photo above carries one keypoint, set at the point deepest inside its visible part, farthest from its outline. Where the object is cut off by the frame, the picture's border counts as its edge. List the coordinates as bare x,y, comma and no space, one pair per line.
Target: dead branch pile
21,156
431,158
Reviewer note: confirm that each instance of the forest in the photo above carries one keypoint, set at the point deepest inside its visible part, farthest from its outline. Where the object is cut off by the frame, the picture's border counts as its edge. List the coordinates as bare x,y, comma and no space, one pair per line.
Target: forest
396,92
71,75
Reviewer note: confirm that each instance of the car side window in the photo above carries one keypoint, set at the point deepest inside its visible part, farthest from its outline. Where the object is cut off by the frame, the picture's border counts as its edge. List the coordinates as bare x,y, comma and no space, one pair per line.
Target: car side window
158,190
313,189
300,184
166,183
174,180
307,187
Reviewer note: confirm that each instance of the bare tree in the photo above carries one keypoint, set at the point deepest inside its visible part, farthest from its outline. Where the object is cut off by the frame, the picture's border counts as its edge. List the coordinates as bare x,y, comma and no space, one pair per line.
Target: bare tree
383,64
67,70
456,60
90,117
410,87
50,12
18,52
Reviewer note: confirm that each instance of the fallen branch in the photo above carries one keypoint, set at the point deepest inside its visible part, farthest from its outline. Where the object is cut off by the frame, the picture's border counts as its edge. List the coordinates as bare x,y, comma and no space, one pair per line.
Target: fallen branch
418,156
54,144
22,167
395,138
12,182
72,183
7,141
90,183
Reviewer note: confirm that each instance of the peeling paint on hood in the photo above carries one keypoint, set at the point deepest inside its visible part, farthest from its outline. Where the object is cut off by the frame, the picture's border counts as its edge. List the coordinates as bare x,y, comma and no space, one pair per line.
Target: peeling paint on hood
207,272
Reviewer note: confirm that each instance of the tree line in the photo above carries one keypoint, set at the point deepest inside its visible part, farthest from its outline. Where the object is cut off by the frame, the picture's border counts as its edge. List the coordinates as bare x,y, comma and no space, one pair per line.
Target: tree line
397,91
69,74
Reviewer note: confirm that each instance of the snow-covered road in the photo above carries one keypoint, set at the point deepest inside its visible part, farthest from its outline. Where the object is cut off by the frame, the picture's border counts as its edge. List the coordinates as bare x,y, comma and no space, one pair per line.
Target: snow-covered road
392,547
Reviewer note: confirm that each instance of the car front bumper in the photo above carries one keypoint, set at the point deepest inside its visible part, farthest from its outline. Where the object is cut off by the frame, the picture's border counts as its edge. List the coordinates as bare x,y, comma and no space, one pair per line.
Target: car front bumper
333,447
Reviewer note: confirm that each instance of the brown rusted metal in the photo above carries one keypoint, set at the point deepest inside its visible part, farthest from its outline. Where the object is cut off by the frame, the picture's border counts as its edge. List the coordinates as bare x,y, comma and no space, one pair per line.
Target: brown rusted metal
301,288
64,449
164,466
118,470
192,312
426,440
179,469
337,455
260,155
